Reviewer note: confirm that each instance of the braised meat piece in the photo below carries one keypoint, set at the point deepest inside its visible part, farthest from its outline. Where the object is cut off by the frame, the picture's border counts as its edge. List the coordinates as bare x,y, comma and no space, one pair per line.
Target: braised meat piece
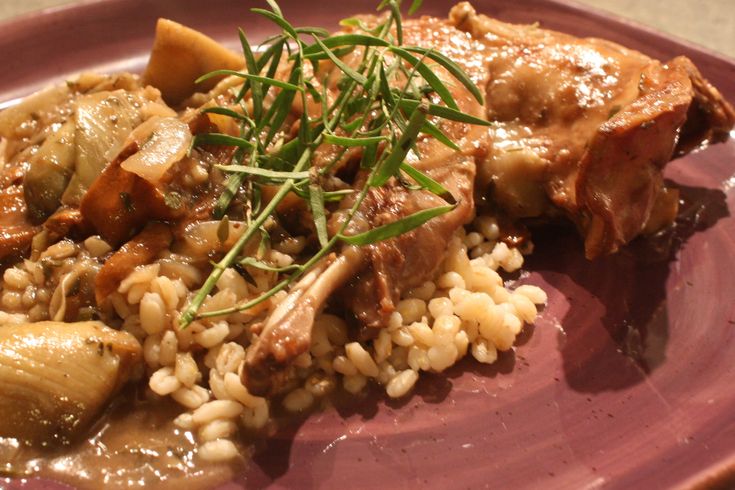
583,127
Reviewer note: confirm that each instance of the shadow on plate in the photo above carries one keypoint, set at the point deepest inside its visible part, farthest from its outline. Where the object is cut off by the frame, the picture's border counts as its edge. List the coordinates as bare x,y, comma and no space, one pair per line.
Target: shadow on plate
625,294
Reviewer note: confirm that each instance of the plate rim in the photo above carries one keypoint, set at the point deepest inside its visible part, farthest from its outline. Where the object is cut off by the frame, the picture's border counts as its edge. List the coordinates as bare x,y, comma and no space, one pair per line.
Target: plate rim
722,471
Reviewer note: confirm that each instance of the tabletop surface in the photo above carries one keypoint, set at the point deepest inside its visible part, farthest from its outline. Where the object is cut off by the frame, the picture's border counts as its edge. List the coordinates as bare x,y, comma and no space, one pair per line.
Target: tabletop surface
710,23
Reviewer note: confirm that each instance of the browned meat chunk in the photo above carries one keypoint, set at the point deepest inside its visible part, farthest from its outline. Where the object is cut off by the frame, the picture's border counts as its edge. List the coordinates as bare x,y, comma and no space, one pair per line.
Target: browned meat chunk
141,250
120,201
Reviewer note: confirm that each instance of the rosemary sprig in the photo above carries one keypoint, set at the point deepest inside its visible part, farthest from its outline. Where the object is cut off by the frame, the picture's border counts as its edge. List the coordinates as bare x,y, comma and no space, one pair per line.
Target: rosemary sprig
383,106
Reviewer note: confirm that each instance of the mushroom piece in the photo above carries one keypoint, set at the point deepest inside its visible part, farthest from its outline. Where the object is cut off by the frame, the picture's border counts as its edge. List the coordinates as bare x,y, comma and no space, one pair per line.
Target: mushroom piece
56,378
180,55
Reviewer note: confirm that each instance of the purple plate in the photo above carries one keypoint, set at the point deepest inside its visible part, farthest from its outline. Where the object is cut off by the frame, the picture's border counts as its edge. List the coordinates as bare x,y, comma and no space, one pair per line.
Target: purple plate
626,381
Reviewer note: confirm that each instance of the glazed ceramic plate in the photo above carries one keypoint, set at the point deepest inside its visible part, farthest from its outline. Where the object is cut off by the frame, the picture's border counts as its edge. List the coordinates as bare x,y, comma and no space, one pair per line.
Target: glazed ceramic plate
626,381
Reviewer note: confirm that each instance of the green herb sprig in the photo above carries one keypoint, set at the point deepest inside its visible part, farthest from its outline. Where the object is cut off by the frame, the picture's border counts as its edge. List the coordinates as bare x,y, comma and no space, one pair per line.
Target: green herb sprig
384,104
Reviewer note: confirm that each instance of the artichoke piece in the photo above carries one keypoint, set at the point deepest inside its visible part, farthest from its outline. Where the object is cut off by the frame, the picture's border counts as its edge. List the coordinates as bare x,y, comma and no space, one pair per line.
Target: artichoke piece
29,109
103,120
180,55
49,173
56,378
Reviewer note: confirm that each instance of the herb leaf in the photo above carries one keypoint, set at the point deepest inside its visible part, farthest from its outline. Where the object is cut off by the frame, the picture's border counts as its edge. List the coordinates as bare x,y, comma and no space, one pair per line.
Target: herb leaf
396,228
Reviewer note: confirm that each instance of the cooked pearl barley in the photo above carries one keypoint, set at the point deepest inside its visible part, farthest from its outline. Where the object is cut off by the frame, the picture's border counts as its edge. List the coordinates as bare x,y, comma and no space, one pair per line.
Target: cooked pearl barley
219,450
28,298
399,357
96,246
450,280
335,327
320,344
534,293
441,357
468,308
319,385
446,327
152,350
60,250
217,429
233,281
35,269
361,359
473,306
152,313
163,382
186,369
12,300
213,335
488,226
485,280
418,359
166,290
16,278
132,325
191,398
394,321
302,360
483,251
237,391
217,385
461,341
141,275
514,325
382,345
500,252
411,310
402,383
387,372
423,292
216,409
458,294
121,307
354,384
169,347
402,337
136,292
440,306
185,336
223,299
298,400
493,328
343,365
484,351
500,295
473,239
280,259
229,357
184,421
525,307
422,333
255,418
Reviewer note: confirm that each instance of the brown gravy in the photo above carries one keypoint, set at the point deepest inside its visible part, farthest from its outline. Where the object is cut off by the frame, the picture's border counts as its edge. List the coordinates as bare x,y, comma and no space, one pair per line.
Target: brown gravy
135,444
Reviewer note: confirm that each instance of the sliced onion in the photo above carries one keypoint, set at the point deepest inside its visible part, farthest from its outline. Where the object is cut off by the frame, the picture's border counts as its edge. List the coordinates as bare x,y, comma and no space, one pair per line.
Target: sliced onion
163,141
